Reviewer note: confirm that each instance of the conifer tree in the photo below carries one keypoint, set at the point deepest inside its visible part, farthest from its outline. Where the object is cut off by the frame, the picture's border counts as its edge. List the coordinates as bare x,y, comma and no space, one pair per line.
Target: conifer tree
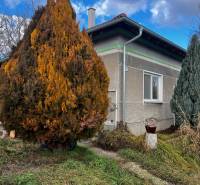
54,88
185,103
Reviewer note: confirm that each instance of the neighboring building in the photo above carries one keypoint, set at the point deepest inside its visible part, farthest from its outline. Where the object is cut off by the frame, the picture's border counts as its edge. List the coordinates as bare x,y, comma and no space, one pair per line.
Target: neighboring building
152,67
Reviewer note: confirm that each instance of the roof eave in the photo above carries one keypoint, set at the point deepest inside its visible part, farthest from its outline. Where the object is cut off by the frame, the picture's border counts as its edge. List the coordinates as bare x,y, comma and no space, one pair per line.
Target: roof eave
133,23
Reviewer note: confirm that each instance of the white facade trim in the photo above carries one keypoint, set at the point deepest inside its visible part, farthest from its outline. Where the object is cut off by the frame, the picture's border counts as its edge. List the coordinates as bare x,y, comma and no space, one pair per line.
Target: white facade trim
113,51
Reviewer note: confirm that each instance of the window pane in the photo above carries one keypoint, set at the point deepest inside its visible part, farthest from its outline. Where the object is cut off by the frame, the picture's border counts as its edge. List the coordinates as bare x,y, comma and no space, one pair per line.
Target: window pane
155,81
147,86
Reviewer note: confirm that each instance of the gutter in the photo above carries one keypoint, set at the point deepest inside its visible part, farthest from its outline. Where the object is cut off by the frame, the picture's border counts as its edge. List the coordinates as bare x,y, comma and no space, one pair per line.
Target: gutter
132,22
124,73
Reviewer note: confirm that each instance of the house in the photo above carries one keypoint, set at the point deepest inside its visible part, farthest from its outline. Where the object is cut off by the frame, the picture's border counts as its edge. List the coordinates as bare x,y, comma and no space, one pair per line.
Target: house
143,72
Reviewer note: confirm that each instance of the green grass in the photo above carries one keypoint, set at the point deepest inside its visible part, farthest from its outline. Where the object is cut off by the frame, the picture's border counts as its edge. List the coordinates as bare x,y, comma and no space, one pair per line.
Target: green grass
170,161
24,164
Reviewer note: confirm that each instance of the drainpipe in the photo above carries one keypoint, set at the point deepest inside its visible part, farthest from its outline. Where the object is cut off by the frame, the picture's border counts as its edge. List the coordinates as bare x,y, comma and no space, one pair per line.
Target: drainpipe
124,73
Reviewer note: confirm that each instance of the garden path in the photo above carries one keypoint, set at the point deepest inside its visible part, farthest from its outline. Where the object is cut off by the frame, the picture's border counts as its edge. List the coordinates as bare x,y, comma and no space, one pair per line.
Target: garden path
130,166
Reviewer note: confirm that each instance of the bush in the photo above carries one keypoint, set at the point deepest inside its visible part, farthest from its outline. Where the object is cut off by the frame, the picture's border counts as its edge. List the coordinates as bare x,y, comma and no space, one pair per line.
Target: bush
119,138
54,88
190,140
185,103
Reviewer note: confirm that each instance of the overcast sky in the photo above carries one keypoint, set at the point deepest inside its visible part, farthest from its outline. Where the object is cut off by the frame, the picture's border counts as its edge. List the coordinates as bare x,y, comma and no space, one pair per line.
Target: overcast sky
173,19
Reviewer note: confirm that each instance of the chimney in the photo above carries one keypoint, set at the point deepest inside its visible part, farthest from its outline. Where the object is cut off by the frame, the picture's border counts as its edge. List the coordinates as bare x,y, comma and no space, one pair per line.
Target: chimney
91,17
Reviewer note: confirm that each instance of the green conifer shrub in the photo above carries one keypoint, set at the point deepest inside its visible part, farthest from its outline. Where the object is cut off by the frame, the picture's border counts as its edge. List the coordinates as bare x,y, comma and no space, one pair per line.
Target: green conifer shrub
185,103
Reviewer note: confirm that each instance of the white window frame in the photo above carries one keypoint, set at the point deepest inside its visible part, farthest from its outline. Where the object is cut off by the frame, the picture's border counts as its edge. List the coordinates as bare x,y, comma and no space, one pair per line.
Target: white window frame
160,87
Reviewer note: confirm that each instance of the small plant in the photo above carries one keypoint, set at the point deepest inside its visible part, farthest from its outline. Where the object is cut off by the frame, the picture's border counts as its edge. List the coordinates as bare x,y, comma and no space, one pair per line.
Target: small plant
190,139
23,179
118,139
27,179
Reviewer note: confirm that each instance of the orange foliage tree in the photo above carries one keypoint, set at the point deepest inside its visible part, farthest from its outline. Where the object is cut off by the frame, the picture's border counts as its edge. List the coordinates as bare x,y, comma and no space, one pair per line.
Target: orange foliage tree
54,87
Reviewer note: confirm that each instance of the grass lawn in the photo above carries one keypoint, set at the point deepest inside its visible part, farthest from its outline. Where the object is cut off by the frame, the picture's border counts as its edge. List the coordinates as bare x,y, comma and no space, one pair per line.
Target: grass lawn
25,164
171,161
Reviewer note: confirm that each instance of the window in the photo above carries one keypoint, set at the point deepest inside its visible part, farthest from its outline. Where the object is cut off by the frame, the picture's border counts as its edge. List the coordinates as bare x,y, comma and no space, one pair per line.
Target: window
152,87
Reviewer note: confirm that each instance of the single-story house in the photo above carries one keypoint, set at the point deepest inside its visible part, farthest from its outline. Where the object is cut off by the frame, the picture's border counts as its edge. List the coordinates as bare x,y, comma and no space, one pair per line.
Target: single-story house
143,68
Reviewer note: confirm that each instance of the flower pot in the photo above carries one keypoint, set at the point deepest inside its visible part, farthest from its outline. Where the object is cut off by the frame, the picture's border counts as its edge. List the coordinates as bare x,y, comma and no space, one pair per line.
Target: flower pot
150,129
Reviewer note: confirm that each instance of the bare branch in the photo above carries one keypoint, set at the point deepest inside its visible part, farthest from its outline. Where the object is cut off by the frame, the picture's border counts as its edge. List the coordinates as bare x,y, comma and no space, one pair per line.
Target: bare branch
12,27
11,32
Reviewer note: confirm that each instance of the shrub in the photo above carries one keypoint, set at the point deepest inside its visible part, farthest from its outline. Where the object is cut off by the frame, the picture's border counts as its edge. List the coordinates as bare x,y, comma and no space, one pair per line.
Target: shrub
119,138
190,140
185,103
54,88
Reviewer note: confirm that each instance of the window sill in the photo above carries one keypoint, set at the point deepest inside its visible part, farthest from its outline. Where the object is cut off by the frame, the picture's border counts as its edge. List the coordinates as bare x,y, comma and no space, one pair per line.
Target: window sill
153,102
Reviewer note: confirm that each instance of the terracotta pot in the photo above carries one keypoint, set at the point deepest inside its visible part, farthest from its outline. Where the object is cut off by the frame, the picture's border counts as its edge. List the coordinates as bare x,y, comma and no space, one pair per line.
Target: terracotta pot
150,129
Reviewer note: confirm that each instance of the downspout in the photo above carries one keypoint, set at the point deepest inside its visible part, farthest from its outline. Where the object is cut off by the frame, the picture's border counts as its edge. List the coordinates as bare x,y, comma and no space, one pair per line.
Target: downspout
124,74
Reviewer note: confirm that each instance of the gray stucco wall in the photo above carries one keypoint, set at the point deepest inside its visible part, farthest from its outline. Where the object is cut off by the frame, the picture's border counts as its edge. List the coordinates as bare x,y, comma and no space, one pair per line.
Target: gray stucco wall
112,64
137,109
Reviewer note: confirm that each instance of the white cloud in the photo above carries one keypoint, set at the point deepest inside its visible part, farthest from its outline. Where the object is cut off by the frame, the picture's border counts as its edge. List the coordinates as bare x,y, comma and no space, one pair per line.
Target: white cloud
81,11
14,3
79,8
104,8
114,7
163,12
173,12
107,8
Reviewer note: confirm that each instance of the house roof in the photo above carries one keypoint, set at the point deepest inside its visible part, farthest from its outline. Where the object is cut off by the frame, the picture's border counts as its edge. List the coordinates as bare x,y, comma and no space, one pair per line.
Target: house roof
126,27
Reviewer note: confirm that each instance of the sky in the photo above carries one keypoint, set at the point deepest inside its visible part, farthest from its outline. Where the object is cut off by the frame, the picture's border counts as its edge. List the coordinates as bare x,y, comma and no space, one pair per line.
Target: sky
175,20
